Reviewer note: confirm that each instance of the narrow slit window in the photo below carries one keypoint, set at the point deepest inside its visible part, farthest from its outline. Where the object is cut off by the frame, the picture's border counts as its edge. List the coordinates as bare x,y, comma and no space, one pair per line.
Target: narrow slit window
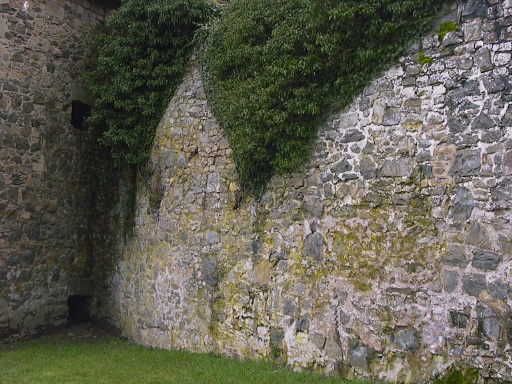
79,112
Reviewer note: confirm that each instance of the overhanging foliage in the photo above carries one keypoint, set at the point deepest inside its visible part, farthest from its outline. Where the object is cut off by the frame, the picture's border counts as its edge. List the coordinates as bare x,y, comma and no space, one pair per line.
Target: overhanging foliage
273,70
141,60
275,67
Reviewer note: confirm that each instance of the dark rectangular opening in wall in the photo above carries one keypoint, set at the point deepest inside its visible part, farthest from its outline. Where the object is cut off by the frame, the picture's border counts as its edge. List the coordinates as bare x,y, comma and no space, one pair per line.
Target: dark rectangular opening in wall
109,3
79,112
79,308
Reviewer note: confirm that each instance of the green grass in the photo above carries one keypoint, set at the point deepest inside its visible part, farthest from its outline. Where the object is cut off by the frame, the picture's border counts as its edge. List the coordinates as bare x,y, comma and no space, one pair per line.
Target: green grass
51,360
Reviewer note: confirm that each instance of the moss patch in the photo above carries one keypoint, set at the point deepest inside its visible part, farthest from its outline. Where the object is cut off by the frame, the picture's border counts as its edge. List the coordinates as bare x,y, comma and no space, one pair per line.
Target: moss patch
424,59
457,375
446,27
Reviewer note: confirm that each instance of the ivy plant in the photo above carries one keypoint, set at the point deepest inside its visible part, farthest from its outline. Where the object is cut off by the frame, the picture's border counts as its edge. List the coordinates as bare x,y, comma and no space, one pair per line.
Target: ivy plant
141,59
274,68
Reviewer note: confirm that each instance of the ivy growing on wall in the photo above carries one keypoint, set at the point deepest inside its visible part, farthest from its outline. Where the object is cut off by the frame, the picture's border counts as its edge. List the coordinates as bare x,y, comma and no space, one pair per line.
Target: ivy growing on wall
273,70
141,59
275,67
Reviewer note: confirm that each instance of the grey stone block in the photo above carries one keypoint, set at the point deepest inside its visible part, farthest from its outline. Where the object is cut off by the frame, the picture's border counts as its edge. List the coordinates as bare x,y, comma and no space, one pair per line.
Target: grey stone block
478,235
359,355
450,280
456,257
396,168
314,206
467,163
482,122
486,261
407,339
212,237
210,271
352,135
474,284
483,59
459,319
314,246
500,290
463,205
340,167
495,84
391,117
489,323
368,168
302,324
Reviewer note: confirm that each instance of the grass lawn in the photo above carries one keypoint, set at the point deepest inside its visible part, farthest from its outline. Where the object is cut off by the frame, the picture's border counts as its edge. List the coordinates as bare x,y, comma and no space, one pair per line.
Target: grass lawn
111,360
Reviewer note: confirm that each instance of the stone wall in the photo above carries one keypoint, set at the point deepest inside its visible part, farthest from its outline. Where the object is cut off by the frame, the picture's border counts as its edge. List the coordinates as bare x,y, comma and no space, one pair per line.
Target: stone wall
387,256
45,187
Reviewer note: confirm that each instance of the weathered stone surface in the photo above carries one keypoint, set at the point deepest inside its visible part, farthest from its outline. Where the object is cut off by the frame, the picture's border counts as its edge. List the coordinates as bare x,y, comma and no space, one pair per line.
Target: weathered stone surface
407,340
486,261
391,117
463,205
314,206
396,168
451,280
467,163
333,348
459,319
314,246
46,188
398,220
479,236
494,84
500,290
289,307
483,59
212,237
6,8
386,227
483,122
472,31
302,324
452,38
352,135
504,163
507,118
502,193
455,123
488,322
276,341
368,168
456,257
474,284
210,271
349,120
492,135
341,167
474,9
359,355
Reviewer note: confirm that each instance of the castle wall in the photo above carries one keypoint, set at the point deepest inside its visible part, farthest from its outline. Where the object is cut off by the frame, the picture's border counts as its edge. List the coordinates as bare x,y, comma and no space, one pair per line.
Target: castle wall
45,186
387,256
